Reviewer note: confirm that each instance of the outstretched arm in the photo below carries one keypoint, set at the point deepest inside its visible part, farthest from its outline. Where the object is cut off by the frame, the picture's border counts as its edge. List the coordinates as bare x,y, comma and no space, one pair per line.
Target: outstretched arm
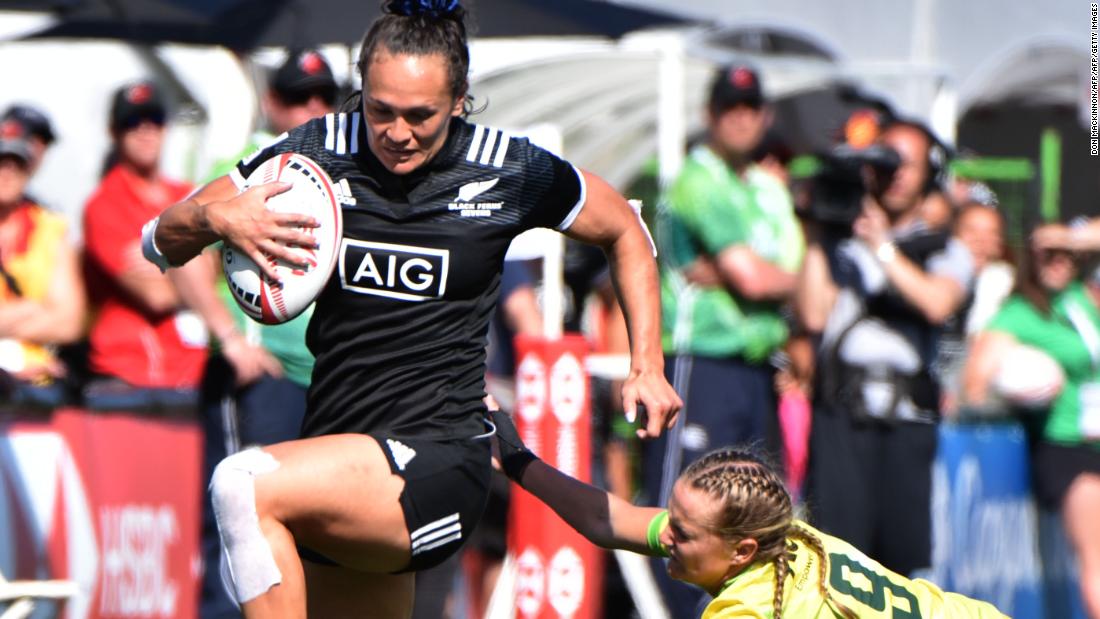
609,221
1083,238
604,519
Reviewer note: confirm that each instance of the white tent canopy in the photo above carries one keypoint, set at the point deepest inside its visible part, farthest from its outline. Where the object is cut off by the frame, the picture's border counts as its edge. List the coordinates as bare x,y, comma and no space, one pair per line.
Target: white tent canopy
607,101
974,46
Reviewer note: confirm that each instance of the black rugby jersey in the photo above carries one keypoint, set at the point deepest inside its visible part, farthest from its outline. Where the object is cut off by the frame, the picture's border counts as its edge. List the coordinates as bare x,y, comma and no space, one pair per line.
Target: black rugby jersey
399,331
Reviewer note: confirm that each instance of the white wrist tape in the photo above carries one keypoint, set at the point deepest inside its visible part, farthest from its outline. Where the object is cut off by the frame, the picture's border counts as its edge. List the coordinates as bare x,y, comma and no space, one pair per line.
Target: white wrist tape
149,247
252,566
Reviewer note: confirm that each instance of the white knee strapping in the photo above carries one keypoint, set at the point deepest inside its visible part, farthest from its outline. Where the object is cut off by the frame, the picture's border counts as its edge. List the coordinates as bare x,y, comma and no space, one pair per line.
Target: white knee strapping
232,491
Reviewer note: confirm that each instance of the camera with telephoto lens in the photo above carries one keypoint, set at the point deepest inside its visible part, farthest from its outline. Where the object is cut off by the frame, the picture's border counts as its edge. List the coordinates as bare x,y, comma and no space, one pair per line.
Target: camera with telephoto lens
838,186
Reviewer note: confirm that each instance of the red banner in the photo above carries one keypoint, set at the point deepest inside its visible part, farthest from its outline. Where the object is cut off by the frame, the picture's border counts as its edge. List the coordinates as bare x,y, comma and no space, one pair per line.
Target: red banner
559,573
109,501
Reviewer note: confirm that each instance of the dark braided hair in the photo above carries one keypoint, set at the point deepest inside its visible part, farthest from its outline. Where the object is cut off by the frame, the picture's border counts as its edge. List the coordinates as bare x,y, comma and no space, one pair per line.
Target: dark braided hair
419,28
755,504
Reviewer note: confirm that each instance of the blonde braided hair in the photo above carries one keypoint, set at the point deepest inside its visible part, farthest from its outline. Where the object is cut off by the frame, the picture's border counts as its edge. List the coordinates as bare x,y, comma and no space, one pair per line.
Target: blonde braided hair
755,504
814,543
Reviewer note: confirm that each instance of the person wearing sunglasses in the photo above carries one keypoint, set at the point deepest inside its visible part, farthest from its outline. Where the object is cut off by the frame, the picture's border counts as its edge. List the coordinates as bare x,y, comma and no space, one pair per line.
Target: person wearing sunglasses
1057,310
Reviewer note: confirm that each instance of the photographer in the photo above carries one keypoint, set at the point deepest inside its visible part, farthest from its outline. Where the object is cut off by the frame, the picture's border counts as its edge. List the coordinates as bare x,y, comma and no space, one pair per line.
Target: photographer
877,286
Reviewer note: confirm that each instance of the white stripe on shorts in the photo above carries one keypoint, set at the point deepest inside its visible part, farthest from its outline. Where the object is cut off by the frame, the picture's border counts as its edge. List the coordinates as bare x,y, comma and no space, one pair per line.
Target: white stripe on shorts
431,526
438,533
442,542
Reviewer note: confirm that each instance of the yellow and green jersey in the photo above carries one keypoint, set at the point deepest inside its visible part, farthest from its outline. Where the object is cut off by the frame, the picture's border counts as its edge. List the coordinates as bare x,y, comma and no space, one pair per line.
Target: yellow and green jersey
707,209
861,584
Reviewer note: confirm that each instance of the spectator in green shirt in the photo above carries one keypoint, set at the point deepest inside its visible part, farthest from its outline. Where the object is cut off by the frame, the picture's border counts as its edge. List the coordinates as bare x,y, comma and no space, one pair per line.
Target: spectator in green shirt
730,246
1057,313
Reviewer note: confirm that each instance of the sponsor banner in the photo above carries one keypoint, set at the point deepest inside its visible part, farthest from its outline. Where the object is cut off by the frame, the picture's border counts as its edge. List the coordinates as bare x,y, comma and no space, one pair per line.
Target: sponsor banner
1061,580
110,501
984,522
559,573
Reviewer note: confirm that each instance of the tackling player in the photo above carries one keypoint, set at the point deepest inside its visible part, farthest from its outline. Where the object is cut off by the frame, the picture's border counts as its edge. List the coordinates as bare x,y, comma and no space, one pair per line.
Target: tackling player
729,530
393,468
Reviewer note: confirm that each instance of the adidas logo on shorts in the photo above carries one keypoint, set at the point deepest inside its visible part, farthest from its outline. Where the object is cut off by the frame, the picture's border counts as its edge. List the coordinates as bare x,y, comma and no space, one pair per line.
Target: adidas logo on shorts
402,453
435,534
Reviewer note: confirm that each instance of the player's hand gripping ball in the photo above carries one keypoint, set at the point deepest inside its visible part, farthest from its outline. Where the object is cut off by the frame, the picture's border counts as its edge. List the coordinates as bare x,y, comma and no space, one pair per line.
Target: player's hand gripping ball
312,193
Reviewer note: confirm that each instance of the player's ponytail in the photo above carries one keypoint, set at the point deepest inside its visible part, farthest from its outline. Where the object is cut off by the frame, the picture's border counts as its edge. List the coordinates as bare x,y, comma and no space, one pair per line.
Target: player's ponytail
814,544
450,9
421,28
782,570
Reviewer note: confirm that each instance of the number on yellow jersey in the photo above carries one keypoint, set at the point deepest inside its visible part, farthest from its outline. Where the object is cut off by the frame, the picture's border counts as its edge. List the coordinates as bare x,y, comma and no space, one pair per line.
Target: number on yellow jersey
851,578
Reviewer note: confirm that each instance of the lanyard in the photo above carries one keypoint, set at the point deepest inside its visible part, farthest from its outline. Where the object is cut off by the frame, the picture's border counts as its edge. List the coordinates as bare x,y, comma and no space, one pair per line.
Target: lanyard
1086,329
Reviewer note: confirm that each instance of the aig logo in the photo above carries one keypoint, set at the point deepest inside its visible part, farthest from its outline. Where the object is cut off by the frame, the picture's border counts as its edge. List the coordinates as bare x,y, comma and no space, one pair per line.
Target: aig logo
395,271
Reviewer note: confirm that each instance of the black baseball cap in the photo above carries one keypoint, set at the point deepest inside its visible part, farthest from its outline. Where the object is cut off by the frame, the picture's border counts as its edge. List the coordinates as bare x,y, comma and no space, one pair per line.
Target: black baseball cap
135,102
735,85
33,121
304,72
17,147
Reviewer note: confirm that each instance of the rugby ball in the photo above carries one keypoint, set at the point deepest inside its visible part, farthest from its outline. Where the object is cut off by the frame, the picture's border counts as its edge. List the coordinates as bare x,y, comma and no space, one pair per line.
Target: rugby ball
1028,377
312,193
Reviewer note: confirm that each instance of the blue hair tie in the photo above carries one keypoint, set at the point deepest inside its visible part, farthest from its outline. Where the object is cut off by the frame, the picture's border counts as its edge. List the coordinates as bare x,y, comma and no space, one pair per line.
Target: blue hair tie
432,8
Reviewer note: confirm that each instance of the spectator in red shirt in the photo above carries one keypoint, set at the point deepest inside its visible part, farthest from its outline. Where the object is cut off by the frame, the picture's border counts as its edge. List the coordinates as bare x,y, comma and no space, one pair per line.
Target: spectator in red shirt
140,338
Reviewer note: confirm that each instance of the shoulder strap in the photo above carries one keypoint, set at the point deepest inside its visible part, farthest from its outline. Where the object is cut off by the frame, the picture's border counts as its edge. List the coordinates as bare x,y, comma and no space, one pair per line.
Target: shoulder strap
843,381
1086,328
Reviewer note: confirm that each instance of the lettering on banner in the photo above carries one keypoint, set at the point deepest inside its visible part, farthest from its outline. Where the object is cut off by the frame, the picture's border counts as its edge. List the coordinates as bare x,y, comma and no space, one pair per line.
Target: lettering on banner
530,583
567,394
566,582
983,546
531,399
136,540
568,458
568,385
45,508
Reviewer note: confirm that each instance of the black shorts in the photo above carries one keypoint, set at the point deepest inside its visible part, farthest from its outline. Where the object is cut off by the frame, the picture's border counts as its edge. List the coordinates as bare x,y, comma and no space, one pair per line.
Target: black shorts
446,486
490,536
1057,466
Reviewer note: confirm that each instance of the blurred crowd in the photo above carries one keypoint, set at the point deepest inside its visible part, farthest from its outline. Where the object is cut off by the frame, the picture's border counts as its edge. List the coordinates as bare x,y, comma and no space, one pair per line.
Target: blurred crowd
838,318
833,318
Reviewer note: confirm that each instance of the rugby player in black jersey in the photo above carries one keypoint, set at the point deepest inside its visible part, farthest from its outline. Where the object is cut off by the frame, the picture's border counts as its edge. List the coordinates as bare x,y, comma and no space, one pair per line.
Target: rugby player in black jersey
392,470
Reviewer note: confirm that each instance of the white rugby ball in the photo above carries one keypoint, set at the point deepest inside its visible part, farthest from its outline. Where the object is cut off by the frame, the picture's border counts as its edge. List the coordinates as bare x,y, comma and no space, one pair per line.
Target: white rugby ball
1028,377
312,193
